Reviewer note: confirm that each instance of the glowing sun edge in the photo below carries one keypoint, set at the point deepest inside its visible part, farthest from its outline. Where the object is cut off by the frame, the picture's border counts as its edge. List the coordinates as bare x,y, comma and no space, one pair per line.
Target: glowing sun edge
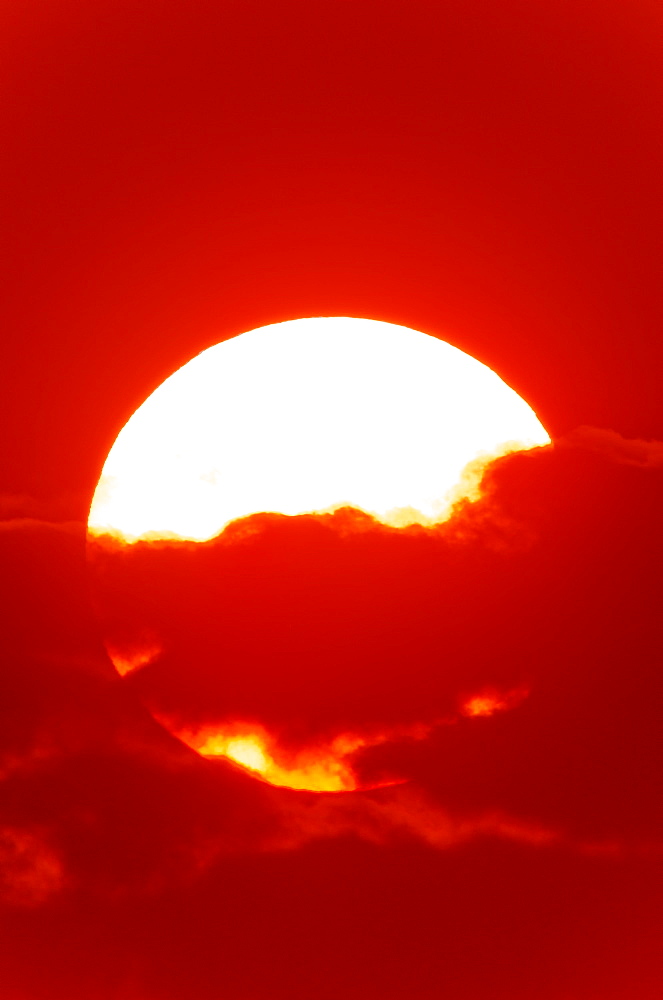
162,455
326,767
308,416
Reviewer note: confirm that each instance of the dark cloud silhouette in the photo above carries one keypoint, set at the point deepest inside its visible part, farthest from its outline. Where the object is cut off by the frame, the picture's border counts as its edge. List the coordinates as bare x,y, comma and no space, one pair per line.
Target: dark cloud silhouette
97,798
620,449
550,580
313,626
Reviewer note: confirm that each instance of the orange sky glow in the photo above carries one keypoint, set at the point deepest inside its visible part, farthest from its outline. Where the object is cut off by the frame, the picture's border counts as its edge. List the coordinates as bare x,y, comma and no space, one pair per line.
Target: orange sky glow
331,645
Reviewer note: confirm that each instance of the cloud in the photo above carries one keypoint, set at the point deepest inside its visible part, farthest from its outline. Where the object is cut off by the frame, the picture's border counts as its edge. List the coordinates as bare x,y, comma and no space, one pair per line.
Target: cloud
30,870
631,451
313,625
390,816
21,507
317,626
406,625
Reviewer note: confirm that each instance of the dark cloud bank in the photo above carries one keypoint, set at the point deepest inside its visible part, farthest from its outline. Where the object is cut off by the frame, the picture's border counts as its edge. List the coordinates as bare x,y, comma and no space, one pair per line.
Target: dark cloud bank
522,858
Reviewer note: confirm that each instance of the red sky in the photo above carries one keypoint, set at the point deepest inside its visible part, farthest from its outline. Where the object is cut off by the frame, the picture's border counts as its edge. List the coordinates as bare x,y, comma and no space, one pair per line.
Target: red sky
175,174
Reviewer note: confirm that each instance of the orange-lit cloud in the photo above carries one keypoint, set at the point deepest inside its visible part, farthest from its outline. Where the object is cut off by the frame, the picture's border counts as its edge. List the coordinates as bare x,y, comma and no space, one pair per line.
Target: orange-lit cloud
630,451
322,766
141,653
30,870
487,702
392,814
319,768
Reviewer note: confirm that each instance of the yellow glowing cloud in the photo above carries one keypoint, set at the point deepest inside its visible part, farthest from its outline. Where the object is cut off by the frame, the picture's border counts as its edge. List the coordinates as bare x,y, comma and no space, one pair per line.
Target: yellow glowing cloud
325,766
318,769
306,416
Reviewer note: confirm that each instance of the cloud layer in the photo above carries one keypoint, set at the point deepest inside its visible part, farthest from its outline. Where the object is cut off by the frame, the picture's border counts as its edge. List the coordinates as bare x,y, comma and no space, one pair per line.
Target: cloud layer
188,865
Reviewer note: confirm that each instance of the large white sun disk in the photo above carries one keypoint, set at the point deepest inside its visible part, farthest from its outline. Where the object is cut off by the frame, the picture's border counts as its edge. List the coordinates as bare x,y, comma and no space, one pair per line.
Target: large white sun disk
305,416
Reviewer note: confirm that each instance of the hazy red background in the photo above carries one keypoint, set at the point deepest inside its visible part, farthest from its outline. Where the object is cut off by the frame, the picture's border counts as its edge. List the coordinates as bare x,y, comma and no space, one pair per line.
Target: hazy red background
488,172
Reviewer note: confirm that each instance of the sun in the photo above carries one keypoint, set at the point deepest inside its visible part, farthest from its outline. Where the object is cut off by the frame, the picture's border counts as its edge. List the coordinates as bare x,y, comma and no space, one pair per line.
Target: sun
300,417
306,416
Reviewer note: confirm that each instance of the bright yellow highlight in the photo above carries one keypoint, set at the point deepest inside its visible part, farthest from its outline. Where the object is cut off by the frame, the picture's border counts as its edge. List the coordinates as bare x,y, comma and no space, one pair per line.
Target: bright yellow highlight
140,656
482,705
488,702
319,769
324,767
306,416
247,752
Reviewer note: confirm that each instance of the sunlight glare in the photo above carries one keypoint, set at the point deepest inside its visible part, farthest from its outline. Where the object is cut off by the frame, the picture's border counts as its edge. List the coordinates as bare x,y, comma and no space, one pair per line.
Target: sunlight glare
319,770
323,767
304,416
